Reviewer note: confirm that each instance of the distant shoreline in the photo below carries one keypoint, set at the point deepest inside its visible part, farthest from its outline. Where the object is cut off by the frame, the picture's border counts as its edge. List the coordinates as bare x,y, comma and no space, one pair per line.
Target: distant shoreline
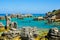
22,14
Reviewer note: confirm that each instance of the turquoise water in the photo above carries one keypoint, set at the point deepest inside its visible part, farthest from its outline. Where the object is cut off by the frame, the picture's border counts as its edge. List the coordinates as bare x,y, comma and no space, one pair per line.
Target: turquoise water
29,22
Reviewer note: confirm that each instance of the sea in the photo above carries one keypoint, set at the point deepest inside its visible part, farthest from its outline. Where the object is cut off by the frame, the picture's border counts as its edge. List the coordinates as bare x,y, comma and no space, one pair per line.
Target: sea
29,22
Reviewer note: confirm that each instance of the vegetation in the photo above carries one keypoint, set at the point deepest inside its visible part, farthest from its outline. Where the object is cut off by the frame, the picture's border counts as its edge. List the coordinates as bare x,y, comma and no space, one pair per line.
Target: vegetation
54,12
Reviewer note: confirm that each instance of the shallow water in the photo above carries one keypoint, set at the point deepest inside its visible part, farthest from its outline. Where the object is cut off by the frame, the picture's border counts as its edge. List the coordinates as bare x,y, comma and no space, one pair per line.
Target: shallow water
29,22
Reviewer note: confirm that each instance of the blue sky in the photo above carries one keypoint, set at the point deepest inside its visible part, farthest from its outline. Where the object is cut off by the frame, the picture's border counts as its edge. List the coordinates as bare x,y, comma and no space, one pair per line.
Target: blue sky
28,6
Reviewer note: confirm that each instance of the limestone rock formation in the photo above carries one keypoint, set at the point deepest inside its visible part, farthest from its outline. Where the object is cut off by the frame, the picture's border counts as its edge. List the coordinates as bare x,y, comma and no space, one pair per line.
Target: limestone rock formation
53,34
38,18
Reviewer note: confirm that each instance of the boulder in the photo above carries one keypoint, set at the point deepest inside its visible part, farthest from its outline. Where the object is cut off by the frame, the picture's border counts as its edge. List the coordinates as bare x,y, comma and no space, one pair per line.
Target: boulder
13,25
20,16
53,34
28,15
38,18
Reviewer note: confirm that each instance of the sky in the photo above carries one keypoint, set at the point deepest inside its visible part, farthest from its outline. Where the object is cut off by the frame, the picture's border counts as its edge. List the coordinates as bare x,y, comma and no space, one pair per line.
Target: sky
28,6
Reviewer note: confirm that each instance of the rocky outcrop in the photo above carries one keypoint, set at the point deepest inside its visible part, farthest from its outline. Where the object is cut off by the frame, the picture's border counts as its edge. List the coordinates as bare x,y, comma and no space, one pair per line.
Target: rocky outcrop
38,18
20,16
28,15
11,33
13,15
25,33
53,16
2,18
53,34
28,33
